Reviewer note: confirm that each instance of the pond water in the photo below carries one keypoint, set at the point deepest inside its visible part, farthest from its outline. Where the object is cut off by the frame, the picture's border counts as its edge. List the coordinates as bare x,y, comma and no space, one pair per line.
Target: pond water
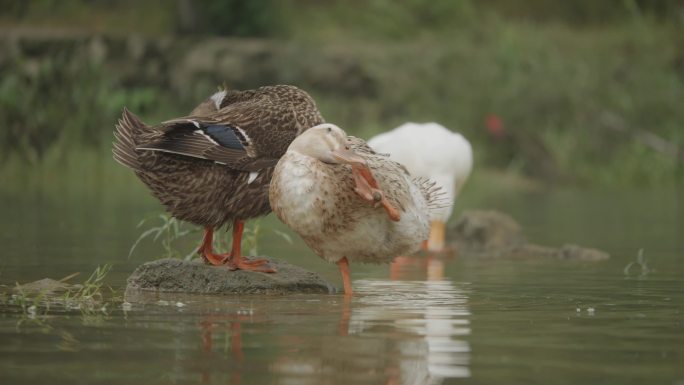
424,320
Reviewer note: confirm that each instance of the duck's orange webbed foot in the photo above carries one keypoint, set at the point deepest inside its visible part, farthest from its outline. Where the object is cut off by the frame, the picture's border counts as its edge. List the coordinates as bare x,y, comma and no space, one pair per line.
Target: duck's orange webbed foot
242,263
213,259
236,261
368,189
207,252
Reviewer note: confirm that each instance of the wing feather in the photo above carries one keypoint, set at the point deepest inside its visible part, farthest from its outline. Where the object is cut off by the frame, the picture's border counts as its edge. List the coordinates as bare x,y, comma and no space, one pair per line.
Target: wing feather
221,143
249,131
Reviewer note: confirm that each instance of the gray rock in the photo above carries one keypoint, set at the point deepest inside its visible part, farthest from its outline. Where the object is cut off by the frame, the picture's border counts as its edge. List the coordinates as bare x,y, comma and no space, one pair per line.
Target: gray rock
491,234
487,231
45,286
177,276
581,253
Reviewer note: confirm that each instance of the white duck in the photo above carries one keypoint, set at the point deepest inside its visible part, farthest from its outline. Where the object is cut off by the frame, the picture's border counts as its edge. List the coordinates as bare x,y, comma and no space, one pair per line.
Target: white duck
431,151
349,203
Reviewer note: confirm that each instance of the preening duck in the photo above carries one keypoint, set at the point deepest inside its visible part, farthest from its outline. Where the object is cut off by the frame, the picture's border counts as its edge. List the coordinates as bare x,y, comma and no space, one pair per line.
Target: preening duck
349,203
213,168
431,151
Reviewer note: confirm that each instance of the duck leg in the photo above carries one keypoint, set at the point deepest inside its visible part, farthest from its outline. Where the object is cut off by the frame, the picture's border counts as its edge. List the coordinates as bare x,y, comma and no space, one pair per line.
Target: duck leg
236,261
369,189
343,264
436,240
206,250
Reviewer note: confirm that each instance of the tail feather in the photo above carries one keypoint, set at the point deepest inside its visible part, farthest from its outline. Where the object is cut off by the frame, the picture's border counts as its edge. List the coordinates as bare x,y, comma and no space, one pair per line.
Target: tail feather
125,140
434,195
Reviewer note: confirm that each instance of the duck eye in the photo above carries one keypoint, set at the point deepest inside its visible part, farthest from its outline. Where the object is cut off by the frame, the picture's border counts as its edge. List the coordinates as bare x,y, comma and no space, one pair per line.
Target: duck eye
346,147
329,129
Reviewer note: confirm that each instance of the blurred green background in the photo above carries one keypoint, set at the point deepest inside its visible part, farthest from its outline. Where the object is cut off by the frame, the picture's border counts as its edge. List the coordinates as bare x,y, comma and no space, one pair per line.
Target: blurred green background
579,92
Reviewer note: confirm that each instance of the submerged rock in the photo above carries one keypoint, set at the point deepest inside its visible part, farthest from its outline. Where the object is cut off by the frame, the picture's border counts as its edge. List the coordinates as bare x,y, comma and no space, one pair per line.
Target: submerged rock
177,276
486,231
571,251
492,234
45,286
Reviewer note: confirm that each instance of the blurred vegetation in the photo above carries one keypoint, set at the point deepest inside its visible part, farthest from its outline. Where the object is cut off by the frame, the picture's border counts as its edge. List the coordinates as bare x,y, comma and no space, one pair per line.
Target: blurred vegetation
61,102
580,91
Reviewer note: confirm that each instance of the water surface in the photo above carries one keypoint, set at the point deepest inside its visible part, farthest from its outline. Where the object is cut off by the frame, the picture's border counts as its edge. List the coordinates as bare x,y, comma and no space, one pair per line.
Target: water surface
424,320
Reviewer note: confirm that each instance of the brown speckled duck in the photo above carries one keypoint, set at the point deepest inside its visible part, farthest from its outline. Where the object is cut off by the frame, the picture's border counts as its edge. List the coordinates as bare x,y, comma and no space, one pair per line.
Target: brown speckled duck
213,168
316,190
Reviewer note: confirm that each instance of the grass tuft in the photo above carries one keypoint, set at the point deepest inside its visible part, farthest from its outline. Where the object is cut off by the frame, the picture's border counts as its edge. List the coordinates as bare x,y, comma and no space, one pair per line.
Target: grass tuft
88,297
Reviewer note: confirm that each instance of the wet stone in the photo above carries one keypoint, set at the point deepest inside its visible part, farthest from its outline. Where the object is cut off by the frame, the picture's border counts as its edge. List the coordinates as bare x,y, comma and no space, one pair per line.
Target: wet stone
576,252
45,286
196,277
487,231
492,234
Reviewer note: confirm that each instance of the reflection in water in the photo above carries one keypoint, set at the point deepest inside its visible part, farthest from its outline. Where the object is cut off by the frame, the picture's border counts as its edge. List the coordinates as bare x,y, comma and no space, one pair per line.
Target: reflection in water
231,328
431,317
390,332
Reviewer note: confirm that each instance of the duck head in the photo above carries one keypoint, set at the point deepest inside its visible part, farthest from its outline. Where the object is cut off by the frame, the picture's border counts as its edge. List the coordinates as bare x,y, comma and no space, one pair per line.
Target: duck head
327,143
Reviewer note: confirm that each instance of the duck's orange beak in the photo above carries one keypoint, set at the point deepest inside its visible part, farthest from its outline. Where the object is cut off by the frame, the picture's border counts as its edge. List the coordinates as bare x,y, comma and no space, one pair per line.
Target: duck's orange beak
345,155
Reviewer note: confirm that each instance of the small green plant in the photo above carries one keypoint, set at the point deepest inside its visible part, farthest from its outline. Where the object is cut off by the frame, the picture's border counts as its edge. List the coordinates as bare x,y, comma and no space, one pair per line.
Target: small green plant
643,269
90,292
251,234
250,237
87,296
30,306
37,321
283,235
169,230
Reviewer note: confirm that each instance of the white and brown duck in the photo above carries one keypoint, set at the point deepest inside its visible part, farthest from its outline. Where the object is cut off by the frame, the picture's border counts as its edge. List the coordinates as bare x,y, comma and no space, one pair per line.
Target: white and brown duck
347,202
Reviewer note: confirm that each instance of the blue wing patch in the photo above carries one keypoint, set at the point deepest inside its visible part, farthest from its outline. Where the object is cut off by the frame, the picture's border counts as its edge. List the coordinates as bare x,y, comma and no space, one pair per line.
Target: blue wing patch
225,136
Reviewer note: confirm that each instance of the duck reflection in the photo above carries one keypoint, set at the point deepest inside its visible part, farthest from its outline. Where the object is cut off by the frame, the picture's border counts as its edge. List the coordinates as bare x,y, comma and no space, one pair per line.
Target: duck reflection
431,318
391,332
410,330
422,266
223,364
231,327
